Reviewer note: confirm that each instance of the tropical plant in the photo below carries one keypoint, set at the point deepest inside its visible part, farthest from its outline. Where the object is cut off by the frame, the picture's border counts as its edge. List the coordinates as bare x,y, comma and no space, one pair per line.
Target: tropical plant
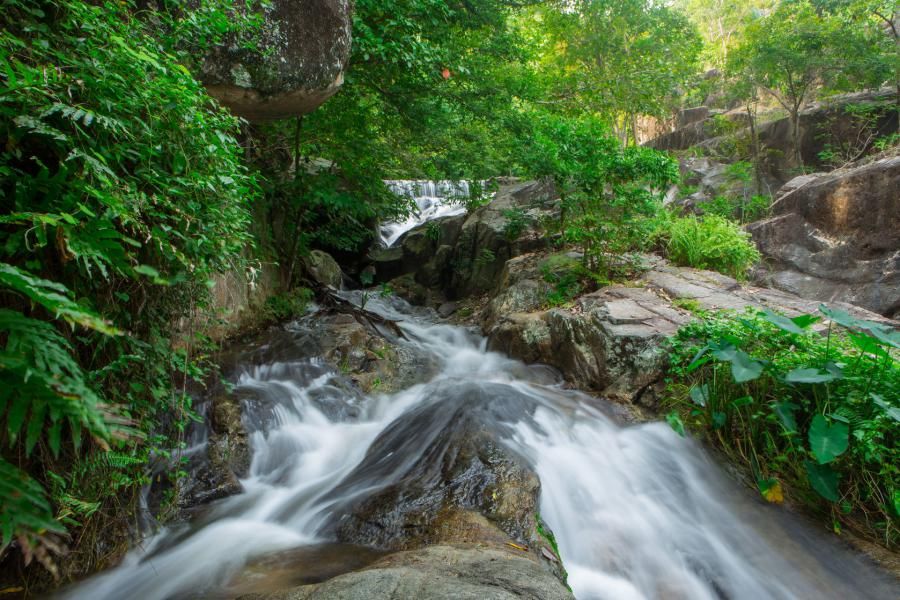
811,414
711,242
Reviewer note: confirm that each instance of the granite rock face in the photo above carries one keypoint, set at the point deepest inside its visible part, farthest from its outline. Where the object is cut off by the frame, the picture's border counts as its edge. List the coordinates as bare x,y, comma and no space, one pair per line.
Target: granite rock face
299,61
614,340
836,237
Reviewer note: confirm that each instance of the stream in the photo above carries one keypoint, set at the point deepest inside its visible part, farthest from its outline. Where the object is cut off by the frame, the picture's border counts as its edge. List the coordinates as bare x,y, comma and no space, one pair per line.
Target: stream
638,511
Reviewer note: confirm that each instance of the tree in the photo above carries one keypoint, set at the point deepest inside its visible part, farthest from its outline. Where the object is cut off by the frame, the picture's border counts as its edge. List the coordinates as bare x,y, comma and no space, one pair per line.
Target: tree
623,58
722,24
796,49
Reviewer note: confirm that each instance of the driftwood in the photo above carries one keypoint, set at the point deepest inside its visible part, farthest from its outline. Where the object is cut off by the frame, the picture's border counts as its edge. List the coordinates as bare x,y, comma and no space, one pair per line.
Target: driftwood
332,302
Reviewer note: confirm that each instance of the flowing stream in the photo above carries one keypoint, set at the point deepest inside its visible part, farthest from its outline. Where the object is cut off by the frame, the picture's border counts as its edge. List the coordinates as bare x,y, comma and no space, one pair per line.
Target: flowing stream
638,511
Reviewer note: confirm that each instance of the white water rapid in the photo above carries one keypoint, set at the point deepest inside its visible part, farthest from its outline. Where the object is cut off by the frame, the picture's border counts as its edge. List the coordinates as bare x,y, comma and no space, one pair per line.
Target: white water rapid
639,512
433,199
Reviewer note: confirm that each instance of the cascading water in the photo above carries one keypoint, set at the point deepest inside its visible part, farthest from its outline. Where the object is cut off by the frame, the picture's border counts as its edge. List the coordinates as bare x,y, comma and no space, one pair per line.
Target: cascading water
433,199
638,511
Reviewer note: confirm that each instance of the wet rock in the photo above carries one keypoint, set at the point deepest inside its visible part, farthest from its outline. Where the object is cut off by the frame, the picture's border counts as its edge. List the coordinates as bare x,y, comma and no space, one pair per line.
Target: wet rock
299,61
447,308
463,255
836,237
216,465
324,269
424,252
445,454
365,356
489,237
441,572
441,474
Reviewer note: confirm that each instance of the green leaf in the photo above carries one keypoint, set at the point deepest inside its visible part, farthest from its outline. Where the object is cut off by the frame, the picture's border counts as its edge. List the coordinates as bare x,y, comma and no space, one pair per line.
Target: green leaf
719,419
892,411
797,325
802,375
700,394
744,368
785,413
53,297
823,480
676,423
828,441
742,401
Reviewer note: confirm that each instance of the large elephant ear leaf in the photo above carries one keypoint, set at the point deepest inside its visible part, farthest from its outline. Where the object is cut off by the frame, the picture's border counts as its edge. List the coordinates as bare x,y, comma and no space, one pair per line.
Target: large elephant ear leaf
797,325
813,375
745,368
841,317
824,480
828,441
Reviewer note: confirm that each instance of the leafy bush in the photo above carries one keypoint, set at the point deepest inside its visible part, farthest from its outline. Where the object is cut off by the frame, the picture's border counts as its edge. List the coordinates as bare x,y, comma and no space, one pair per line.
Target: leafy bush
608,191
516,223
813,415
566,275
711,242
121,191
742,210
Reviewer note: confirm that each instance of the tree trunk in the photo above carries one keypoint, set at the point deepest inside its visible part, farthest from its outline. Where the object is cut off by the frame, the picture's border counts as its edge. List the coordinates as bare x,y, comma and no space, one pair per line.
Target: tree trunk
795,136
754,149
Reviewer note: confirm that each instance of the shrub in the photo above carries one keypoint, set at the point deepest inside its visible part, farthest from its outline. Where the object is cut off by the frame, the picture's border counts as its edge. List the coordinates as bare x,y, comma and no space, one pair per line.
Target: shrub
742,210
809,415
566,275
711,242
122,190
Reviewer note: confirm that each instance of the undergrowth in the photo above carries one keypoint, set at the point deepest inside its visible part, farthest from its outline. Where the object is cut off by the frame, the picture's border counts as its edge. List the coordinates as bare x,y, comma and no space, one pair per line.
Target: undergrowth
812,415
122,191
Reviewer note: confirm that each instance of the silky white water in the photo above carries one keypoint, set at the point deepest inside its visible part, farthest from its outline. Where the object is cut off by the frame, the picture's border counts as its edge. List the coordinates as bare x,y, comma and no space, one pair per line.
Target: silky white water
639,512
433,199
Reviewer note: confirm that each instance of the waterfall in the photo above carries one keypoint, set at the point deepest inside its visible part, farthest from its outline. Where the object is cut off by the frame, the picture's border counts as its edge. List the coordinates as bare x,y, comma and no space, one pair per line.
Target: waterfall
433,199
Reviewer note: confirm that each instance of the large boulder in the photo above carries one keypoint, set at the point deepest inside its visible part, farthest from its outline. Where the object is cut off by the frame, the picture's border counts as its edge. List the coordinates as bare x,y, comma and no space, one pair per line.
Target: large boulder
832,122
443,456
510,225
298,62
443,572
323,269
836,237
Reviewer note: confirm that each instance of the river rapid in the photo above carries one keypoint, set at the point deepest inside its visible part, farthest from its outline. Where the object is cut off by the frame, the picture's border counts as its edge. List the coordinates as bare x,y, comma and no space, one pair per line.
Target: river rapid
638,511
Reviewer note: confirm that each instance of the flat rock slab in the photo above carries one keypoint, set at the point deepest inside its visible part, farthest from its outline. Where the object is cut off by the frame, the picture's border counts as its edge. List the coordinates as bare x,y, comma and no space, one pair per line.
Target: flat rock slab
445,572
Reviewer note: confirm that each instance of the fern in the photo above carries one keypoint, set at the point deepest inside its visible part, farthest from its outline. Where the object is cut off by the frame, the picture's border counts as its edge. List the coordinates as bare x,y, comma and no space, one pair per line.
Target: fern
24,506
42,383
53,297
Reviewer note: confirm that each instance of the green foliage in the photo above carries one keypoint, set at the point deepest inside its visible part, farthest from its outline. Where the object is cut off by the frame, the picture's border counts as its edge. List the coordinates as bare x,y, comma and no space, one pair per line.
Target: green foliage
123,191
516,222
711,242
289,305
609,193
433,231
803,409
567,276
789,51
621,58
743,211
